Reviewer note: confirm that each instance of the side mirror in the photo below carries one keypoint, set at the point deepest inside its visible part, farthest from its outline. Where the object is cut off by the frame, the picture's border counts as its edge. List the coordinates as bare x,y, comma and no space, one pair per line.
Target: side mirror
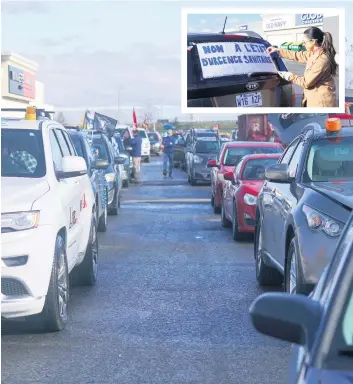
72,166
212,163
128,149
293,318
229,176
278,173
100,164
119,160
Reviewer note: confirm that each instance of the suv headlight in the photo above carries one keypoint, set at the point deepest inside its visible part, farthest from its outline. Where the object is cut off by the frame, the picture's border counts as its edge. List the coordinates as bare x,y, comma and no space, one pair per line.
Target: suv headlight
250,199
198,159
20,221
318,221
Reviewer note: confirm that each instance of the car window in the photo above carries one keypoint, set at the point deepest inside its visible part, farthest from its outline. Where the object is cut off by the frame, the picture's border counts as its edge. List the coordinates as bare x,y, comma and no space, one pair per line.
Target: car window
255,168
330,160
238,168
69,143
206,146
89,151
294,161
22,153
78,145
101,149
289,152
56,151
62,142
142,133
235,154
347,322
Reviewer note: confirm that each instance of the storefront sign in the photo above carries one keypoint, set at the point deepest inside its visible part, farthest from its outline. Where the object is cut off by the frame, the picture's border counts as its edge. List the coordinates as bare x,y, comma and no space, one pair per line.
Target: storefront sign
228,59
277,22
21,83
309,19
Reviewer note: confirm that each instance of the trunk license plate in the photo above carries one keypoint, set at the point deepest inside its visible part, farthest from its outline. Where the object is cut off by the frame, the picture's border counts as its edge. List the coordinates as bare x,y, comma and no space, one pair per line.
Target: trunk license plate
249,100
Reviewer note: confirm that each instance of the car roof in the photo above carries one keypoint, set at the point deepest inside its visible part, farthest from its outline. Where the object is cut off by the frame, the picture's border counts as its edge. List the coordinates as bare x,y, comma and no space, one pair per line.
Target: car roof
20,124
343,132
248,35
262,156
234,144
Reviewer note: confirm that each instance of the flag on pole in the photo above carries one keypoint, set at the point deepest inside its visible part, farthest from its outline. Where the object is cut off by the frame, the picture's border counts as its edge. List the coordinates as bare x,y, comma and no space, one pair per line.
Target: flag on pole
134,118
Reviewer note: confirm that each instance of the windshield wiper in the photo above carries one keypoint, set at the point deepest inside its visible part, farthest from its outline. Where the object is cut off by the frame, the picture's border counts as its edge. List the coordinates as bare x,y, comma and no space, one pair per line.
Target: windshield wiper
255,74
347,351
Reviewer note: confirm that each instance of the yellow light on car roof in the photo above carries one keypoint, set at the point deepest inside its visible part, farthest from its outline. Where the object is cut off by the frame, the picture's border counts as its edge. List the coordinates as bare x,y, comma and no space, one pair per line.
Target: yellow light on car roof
333,124
31,113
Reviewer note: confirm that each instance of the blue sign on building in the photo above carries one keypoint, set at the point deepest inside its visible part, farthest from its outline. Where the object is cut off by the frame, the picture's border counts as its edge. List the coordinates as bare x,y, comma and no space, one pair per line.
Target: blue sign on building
16,81
309,19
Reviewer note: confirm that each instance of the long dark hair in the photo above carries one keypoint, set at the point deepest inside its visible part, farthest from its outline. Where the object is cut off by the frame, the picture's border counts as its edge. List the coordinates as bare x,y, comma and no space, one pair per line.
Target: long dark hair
325,41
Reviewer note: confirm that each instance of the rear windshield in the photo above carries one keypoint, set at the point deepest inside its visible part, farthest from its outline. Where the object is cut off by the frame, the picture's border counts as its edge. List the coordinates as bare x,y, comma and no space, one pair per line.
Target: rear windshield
206,134
228,61
22,153
206,146
330,160
234,155
142,133
255,169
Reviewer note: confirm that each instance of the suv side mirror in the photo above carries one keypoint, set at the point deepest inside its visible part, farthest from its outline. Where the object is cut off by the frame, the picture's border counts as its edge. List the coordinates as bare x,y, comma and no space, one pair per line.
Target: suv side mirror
100,164
229,176
72,166
119,160
278,173
212,163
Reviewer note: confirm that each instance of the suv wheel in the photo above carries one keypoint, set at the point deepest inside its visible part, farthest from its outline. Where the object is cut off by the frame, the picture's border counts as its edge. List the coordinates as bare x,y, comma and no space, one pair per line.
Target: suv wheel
102,222
147,159
115,209
264,275
126,183
225,222
293,282
53,318
85,274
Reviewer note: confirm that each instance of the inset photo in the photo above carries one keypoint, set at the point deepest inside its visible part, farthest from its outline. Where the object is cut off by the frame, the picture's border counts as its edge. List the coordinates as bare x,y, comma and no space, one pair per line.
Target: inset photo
292,61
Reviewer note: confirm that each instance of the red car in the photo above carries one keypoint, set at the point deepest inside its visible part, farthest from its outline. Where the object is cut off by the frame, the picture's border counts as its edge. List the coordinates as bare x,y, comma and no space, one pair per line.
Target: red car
229,157
240,193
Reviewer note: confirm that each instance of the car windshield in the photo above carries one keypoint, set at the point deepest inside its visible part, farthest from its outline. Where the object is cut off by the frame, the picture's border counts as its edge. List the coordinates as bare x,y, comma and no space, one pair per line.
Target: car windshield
100,148
120,144
331,160
255,169
142,133
234,155
22,153
206,146
153,136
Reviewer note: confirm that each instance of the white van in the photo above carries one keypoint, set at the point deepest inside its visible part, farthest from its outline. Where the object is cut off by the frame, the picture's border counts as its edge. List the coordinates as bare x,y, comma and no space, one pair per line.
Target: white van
146,145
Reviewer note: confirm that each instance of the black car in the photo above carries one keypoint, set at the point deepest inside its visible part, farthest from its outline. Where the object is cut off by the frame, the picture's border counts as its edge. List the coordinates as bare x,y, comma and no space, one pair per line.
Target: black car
303,206
179,159
104,151
234,70
203,150
95,170
320,326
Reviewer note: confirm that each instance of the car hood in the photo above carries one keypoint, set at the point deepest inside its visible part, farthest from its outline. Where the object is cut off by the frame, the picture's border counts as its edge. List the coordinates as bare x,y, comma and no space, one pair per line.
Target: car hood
253,186
341,192
19,193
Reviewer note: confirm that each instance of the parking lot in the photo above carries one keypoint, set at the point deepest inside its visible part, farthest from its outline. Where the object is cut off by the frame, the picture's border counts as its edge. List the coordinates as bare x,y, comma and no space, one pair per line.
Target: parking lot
170,306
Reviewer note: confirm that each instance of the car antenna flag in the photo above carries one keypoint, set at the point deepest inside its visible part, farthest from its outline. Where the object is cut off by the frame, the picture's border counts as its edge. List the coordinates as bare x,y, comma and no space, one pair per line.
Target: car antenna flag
224,26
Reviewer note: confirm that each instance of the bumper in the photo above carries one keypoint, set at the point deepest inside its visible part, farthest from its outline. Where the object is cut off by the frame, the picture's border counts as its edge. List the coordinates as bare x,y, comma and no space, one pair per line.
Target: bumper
246,218
145,152
314,254
201,173
25,286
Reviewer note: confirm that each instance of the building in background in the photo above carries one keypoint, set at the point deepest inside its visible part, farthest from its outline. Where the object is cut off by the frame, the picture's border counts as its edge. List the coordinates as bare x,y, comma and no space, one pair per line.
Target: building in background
20,88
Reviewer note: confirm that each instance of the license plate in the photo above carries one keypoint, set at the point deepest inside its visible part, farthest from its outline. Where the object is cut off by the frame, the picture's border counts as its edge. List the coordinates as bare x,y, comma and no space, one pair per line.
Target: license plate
249,100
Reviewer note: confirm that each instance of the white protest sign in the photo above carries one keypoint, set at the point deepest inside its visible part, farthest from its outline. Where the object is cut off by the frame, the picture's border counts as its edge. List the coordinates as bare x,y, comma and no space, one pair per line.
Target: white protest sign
233,58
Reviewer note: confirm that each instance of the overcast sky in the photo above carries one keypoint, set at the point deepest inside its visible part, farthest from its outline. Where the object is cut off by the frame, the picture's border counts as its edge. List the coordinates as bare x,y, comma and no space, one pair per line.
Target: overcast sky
87,51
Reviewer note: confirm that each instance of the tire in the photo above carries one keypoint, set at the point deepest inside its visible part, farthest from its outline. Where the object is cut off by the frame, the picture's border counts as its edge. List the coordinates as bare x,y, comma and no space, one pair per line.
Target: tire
115,210
265,276
103,220
147,159
189,179
85,274
237,236
53,318
225,222
293,256
126,183
193,181
212,200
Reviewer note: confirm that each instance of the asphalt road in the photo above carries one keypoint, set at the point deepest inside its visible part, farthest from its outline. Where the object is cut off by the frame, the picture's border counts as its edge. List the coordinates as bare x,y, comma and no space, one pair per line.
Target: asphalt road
171,304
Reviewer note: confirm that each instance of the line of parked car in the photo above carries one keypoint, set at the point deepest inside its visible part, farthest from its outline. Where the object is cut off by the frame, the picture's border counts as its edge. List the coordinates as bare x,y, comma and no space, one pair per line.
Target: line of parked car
59,184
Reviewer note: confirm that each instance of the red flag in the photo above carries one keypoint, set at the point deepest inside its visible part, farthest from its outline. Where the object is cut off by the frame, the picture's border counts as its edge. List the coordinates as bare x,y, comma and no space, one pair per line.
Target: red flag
134,118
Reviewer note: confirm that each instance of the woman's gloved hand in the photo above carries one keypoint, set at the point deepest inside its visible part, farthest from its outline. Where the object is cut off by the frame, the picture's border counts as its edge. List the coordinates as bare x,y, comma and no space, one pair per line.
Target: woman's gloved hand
285,75
272,50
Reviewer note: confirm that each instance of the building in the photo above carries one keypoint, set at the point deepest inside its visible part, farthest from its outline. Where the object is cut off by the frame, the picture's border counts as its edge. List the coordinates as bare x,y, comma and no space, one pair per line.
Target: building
279,28
19,85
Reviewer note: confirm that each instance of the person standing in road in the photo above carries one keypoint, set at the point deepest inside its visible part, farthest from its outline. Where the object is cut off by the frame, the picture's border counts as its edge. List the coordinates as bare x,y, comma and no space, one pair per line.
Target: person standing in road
168,156
136,143
320,71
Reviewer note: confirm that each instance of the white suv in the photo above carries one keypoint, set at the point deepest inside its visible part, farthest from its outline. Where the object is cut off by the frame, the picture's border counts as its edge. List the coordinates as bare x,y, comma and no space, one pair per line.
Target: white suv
48,222
146,145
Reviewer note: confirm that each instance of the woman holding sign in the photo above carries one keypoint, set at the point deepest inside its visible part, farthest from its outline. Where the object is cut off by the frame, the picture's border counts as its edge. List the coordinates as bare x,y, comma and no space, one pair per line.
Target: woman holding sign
318,80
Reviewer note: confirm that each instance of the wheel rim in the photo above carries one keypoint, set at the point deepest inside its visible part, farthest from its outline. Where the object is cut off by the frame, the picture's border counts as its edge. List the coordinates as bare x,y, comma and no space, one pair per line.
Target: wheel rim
293,274
259,247
94,247
63,286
